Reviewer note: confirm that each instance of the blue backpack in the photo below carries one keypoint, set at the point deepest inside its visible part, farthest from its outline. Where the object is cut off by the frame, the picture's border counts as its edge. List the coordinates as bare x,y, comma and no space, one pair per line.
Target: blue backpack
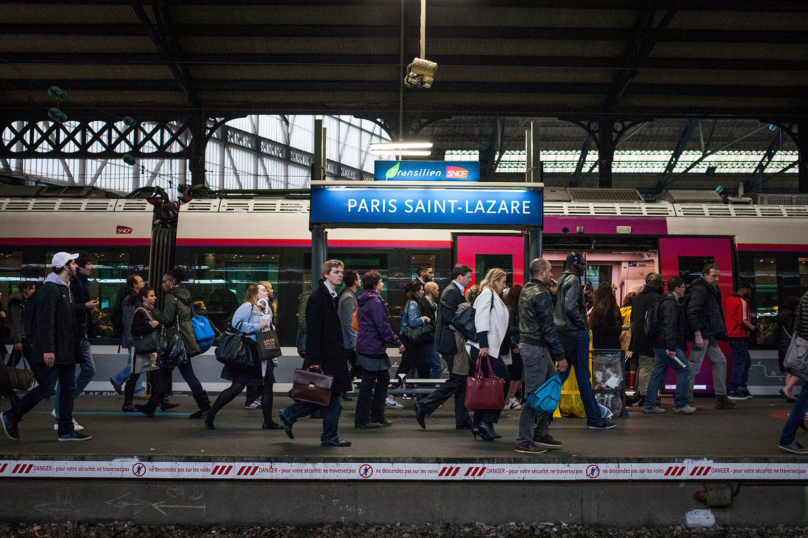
203,332
545,398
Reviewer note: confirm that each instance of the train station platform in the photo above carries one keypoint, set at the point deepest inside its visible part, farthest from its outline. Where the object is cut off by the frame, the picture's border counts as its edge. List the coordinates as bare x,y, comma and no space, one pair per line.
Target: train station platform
171,468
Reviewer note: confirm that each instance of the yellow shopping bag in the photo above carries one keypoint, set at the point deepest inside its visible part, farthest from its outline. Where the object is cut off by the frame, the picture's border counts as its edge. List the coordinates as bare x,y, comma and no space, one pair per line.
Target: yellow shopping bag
571,402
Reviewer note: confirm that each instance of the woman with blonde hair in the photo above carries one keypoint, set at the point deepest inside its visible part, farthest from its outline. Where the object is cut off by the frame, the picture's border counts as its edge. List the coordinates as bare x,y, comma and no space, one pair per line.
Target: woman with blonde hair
491,322
247,320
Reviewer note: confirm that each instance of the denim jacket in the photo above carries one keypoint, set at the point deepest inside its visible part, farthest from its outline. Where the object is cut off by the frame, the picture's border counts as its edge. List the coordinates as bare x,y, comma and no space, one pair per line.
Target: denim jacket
411,317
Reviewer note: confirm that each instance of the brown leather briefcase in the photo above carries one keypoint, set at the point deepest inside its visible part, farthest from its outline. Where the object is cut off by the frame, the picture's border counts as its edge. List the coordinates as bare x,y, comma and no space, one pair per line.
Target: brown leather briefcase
312,386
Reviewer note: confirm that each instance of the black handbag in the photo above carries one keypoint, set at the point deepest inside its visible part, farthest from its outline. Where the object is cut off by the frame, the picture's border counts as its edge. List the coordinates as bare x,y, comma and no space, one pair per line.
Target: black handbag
172,351
232,349
421,333
268,345
147,344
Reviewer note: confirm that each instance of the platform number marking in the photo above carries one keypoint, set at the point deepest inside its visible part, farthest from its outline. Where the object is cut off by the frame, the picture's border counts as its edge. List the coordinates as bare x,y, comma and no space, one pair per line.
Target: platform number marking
366,471
593,471
138,469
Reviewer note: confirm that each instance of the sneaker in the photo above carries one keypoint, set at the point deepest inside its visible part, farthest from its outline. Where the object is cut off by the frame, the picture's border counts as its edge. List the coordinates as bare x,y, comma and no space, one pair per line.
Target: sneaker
736,395
605,424
255,404
513,405
10,428
635,401
693,404
723,402
392,403
76,426
795,448
656,410
686,410
546,441
747,394
118,388
338,442
529,448
75,436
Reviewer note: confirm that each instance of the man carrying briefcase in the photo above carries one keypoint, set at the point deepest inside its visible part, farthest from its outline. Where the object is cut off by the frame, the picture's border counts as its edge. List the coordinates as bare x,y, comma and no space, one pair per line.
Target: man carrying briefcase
323,351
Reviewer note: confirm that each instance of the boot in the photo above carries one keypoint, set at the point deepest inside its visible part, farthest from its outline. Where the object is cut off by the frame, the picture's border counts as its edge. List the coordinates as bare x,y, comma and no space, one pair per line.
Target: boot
165,405
149,408
203,402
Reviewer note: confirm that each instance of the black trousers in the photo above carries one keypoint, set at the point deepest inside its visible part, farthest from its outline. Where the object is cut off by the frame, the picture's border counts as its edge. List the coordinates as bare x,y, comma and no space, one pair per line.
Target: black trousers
229,394
413,357
372,393
454,386
46,379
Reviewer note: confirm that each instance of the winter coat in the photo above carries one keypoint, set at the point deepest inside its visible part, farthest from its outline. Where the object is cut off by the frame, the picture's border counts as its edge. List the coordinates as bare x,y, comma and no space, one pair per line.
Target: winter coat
704,311
672,325
739,319
430,310
178,306
16,305
346,302
140,323
569,314
801,318
536,319
80,288
324,338
606,334
130,304
640,343
625,336
450,299
375,333
56,329
491,322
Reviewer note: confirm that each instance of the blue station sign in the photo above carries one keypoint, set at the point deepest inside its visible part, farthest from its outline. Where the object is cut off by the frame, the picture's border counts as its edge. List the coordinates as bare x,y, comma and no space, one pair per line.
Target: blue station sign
427,171
473,208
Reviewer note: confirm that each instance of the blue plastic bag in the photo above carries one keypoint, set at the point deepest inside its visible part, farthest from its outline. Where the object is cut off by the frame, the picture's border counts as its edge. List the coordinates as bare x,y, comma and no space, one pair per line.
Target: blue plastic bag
545,398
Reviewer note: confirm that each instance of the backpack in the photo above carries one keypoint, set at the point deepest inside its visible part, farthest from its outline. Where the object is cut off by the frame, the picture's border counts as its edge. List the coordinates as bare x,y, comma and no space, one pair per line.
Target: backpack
117,314
203,332
355,320
545,398
29,316
464,322
652,324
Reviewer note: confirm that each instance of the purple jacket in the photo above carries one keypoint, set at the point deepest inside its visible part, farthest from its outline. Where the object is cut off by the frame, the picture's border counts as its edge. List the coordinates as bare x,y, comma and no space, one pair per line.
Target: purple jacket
374,327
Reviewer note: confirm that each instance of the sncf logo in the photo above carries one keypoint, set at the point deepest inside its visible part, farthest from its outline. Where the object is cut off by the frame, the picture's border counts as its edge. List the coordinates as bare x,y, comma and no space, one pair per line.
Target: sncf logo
456,172
126,230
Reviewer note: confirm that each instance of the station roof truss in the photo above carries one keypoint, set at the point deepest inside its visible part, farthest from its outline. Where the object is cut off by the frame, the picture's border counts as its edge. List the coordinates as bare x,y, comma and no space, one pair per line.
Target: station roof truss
631,60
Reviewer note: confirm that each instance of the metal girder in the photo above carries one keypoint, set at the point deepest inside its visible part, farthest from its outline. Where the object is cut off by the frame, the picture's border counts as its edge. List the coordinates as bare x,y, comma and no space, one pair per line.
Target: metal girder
82,139
576,177
681,144
765,161
162,35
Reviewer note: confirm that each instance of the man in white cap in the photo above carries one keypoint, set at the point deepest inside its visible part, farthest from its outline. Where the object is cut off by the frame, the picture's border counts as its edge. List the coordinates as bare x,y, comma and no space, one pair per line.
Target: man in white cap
55,349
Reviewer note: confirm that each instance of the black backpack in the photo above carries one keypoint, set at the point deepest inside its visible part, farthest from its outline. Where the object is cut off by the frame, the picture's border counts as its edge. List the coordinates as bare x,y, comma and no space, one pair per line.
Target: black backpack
117,314
653,325
464,322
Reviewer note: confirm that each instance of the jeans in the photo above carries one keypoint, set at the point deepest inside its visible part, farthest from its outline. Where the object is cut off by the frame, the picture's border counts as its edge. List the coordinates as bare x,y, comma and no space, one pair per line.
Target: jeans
433,359
658,377
372,392
490,416
538,367
86,373
121,377
645,368
331,414
46,379
741,363
455,385
719,361
795,418
577,354
187,373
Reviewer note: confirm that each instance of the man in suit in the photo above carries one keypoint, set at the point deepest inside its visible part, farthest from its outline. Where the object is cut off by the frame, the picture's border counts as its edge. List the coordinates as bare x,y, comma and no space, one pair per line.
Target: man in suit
323,342
445,344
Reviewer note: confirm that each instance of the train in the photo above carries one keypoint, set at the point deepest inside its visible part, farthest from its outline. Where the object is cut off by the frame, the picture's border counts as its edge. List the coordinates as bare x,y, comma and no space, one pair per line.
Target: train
227,243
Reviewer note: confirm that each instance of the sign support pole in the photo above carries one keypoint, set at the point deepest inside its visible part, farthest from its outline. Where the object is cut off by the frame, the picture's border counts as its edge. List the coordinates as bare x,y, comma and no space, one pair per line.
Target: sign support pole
319,241
533,172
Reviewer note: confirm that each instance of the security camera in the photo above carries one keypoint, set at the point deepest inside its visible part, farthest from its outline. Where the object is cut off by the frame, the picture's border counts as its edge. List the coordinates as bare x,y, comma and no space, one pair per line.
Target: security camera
421,73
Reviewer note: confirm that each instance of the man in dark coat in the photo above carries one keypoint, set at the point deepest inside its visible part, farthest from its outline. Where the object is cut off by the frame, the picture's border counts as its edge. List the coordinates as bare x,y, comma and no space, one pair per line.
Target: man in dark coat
640,342
323,345
55,349
450,299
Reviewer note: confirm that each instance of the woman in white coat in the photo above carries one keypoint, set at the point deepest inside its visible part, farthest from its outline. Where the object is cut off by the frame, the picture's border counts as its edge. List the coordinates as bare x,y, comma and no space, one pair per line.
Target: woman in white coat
491,322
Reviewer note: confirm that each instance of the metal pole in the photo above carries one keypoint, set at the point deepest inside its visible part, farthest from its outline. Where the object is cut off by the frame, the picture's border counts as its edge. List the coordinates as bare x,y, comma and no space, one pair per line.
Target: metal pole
318,173
535,242
318,248
423,29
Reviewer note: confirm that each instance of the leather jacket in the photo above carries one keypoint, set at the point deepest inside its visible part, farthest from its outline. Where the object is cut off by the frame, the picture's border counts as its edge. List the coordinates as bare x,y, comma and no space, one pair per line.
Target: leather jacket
704,311
570,308
536,326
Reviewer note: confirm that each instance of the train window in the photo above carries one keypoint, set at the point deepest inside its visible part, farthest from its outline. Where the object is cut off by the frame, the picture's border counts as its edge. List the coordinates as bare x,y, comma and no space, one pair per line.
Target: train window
108,276
485,262
10,268
803,265
362,263
599,274
422,260
690,267
221,281
765,300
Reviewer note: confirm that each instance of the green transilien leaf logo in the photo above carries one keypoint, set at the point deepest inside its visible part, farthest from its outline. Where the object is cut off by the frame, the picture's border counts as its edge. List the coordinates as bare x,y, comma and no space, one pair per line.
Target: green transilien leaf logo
393,171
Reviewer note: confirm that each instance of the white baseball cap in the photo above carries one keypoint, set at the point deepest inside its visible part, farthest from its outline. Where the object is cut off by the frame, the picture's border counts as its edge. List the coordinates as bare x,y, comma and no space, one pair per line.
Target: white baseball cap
60,259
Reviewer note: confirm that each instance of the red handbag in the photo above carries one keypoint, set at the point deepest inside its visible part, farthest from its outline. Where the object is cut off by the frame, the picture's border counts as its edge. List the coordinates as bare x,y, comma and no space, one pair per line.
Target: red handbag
485,392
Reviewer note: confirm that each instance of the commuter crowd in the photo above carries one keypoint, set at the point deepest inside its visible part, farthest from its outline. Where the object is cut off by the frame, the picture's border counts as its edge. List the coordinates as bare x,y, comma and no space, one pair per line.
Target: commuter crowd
492,339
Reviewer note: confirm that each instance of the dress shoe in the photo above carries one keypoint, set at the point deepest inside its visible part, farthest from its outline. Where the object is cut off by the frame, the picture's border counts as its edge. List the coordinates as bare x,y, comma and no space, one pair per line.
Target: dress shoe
271,426
287,426
463,427
346,398
493,432
208,418
165,405
128,408
116,386
420,416
384,422
145,410
367,426
338,442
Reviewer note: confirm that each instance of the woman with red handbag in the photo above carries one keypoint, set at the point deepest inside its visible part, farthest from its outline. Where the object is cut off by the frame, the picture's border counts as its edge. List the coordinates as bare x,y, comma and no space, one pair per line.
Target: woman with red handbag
485,389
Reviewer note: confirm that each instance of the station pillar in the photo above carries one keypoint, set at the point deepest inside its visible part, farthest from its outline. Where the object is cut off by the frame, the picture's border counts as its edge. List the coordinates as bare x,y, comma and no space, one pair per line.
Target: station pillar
606,144
199,142
318,252
802,155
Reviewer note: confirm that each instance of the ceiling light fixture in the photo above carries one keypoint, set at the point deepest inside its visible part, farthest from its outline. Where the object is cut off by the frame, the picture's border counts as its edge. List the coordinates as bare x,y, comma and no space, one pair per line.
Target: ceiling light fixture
395,147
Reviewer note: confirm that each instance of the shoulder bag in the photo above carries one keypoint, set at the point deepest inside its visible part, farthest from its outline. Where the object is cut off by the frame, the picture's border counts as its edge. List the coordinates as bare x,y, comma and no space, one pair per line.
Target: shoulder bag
313,386
203,332
172,351
149,343
421,333
796,359
232,350
545,398
485,392
21,378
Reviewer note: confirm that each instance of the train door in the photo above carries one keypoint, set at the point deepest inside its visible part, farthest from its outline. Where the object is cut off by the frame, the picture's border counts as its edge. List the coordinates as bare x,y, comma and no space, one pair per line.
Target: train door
484,252
685,257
